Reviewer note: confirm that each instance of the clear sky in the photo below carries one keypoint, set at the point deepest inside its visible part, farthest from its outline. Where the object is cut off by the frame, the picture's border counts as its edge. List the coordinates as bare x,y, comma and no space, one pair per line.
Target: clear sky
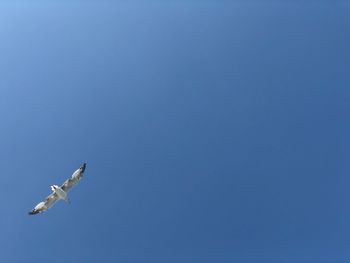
214,131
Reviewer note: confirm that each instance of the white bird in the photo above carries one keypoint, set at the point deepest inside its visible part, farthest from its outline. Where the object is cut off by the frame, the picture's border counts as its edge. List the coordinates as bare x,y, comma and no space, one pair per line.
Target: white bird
59,193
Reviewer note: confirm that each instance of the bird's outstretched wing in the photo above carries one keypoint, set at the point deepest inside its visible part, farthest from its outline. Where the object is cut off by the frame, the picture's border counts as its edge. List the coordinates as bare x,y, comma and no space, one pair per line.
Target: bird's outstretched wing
77,175
44,205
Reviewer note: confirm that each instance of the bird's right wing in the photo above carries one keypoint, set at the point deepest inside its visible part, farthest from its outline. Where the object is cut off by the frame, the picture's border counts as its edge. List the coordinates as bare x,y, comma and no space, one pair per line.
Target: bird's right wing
44,205
76,176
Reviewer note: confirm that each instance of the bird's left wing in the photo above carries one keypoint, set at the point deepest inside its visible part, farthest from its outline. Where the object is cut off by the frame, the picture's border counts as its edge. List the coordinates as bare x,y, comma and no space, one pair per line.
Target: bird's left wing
44,205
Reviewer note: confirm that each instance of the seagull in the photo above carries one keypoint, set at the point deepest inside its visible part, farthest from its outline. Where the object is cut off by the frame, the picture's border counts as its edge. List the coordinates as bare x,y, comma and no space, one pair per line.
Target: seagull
59,192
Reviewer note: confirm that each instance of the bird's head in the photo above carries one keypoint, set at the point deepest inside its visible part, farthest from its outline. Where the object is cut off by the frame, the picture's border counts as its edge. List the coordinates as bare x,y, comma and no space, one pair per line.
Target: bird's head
54,187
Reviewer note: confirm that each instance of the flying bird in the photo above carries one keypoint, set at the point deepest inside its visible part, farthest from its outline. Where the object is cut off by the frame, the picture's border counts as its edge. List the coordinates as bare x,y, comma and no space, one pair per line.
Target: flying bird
59,192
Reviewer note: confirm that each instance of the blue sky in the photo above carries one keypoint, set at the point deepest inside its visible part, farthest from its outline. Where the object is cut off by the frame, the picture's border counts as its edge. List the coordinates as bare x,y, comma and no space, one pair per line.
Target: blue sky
213,131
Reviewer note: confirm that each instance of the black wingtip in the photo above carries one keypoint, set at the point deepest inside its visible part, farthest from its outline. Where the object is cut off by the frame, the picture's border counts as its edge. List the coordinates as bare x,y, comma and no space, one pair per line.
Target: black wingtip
83,167
33,212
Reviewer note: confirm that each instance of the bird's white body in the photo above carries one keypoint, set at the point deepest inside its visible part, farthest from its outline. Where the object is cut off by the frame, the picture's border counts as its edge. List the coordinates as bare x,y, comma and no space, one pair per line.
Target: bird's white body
60,192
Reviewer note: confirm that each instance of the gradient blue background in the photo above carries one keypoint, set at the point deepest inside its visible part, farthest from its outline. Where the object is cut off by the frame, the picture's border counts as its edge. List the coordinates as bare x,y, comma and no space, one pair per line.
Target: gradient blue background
213,131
